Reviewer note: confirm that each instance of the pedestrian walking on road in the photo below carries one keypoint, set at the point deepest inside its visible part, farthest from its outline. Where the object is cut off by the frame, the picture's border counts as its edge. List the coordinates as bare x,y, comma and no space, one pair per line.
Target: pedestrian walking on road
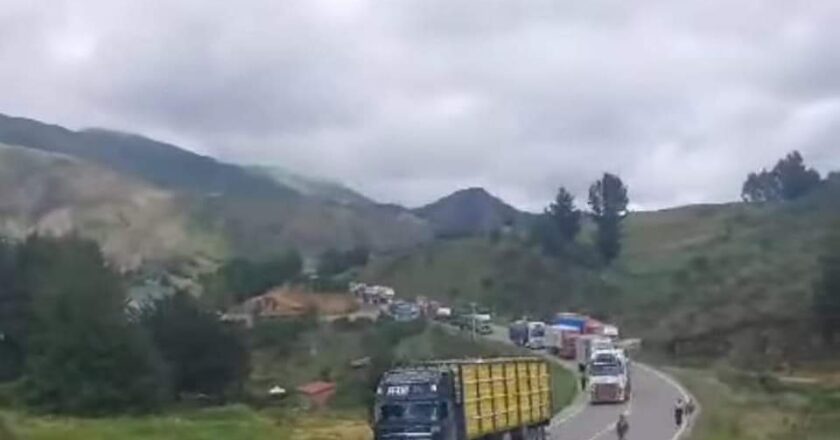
679,411
583,382
622,426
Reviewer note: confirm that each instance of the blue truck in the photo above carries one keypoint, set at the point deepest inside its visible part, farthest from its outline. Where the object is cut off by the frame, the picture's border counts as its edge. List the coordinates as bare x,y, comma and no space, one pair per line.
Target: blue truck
464,400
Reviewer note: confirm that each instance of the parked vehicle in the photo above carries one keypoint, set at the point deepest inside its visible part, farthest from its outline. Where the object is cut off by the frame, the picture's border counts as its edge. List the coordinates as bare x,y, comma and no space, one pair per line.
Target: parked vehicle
518,332
404,311
554,339
609,380
536,335
449,400
570,321
584,347
610,331
481,321
443,313
568,347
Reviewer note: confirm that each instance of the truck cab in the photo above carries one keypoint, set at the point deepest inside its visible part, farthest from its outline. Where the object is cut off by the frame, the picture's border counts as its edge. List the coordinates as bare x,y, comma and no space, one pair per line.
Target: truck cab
536,335
609,379
417,404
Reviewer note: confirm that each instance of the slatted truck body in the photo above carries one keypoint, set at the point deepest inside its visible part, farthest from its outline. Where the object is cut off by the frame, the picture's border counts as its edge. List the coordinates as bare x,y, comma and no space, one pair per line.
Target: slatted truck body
464,400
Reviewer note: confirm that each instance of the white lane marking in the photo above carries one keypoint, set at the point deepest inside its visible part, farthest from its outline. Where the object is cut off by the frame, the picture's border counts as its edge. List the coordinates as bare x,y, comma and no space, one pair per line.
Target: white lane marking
685,395
611,426
571,415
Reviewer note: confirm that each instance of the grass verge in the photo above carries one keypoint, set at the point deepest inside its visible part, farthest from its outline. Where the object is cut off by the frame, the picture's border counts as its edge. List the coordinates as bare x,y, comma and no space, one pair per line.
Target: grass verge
737,406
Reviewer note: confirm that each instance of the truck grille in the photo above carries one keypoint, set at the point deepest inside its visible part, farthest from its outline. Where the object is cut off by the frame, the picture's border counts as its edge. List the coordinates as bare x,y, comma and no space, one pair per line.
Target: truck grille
607,392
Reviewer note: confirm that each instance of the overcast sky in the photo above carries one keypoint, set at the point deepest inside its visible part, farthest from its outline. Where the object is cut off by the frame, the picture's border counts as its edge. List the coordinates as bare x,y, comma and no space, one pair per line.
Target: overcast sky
408,100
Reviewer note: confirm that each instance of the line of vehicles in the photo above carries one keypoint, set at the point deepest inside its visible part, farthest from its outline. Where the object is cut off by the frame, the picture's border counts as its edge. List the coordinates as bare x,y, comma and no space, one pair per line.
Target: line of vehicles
470,399
602,357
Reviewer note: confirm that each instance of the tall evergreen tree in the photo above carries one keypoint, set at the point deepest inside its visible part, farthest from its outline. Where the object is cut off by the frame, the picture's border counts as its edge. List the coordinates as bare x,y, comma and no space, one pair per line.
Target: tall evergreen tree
608,203
788,180
564,215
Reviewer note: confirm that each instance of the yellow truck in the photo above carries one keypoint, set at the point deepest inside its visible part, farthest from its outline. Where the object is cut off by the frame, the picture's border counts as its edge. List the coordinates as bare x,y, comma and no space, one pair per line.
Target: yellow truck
464,400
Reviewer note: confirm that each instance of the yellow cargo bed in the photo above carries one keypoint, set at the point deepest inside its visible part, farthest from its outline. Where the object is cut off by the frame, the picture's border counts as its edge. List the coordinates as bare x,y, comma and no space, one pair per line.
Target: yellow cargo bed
503,393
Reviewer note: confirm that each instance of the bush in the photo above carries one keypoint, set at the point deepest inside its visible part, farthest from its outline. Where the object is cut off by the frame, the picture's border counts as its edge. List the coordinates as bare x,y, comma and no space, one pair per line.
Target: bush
345,324
280,335
84,355
204,356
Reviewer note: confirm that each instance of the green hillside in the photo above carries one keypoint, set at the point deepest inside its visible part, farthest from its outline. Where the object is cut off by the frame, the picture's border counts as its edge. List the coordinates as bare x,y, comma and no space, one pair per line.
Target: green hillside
156,162
706,279
134,222
256,214
504,273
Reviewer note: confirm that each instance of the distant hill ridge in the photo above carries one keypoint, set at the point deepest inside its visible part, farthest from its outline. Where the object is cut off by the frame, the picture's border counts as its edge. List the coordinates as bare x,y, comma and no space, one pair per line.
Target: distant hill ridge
160,163
471,211
257,210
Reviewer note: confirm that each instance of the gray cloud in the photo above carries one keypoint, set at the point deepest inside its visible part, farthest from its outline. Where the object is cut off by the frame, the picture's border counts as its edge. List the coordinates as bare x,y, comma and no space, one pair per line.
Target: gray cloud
410,100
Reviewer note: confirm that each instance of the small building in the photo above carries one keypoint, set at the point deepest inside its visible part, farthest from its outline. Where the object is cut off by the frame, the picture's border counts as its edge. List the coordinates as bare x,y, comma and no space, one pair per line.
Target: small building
317,395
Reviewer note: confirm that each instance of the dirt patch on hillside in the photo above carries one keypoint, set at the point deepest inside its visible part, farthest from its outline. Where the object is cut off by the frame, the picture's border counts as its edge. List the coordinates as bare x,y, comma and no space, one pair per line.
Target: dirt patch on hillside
288,302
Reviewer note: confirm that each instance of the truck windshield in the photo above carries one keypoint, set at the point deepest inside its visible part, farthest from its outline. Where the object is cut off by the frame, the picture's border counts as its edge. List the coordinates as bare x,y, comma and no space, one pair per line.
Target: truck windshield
405,411
538,332
605,369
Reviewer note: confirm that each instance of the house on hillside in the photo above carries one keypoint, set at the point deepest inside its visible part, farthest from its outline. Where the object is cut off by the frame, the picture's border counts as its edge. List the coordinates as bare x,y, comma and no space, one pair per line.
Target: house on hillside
317,395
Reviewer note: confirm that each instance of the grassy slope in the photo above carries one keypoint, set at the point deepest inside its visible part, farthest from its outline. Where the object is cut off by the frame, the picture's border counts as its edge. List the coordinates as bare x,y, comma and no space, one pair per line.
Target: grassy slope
504,274
230,422
698,275
736,408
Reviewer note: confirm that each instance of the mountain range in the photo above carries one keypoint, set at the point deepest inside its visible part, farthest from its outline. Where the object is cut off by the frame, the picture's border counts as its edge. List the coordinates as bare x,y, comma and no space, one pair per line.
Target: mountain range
222,208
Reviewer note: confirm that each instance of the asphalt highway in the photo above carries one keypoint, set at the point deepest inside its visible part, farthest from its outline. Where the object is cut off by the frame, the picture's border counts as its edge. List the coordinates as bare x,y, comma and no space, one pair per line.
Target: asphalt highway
650,408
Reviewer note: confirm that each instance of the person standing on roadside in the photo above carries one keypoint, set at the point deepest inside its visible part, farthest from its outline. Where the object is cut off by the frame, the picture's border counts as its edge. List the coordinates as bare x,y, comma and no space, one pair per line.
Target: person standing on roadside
689,408
679,412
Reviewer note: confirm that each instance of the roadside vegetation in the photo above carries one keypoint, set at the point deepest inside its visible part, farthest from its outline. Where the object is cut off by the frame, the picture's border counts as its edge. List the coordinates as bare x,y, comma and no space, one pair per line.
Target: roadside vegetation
740,406
78,363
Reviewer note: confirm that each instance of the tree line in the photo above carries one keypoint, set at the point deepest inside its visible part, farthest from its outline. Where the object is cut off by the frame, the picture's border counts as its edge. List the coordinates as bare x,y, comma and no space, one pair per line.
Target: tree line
558,227
73,343
789,179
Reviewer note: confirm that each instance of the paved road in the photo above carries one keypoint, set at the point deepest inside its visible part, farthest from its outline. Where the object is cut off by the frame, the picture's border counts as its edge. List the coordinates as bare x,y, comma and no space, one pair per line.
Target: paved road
650,408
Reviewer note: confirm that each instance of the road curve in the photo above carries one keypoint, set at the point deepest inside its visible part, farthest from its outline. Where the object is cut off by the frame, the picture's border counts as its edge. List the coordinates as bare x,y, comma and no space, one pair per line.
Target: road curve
650,408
